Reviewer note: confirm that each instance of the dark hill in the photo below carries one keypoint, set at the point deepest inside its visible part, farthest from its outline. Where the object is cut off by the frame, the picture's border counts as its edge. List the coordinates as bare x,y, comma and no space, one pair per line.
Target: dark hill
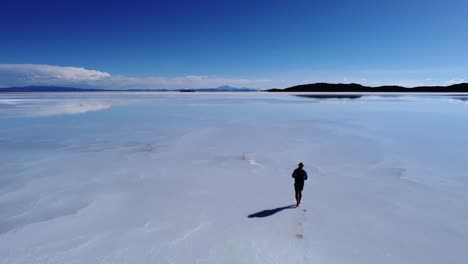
353,87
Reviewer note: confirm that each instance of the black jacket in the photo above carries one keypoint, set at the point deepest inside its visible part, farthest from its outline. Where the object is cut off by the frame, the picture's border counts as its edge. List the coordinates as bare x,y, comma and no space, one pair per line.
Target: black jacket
299,175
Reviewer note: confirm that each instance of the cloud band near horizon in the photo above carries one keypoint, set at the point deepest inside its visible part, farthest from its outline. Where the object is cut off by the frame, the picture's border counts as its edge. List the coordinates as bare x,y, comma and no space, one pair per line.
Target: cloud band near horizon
50,75
42,74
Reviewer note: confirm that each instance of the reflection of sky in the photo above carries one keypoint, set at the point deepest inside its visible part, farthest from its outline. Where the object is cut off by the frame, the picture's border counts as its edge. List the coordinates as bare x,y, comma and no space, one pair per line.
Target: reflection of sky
70,116
47,104
40,120
64,175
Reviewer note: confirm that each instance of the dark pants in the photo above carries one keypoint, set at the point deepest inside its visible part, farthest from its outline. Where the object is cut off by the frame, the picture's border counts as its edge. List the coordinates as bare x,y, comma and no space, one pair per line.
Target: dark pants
298,187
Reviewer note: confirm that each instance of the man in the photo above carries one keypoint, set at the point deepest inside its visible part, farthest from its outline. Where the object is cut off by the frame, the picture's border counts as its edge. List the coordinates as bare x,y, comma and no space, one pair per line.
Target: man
299,176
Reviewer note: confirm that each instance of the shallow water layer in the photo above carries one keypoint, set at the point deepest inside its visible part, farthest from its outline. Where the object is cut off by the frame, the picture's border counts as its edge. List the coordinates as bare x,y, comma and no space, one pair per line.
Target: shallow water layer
174,177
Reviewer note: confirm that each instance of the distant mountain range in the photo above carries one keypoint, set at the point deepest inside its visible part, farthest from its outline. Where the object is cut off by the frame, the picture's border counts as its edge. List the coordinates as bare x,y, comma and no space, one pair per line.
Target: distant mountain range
353,87
224,88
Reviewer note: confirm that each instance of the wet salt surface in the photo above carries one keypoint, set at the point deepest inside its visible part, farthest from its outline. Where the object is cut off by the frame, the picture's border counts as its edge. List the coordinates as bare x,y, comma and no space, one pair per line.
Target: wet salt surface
172,178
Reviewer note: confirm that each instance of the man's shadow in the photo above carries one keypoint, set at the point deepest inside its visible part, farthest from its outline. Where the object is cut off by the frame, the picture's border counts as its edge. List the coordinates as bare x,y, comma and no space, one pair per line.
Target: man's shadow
270,212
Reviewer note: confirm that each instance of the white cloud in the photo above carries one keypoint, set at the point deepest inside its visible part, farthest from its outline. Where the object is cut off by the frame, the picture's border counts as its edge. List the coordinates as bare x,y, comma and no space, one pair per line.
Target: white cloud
457,81
123,82
38,74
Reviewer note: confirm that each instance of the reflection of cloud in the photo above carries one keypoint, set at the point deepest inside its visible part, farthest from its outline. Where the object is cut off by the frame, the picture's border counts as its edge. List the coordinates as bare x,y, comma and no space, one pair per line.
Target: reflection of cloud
459,100
36,74
72,107
10,101
19,107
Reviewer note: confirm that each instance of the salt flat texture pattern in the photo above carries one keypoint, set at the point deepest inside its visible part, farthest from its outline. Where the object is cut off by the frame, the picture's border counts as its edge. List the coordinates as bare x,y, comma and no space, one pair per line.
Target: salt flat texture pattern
206,178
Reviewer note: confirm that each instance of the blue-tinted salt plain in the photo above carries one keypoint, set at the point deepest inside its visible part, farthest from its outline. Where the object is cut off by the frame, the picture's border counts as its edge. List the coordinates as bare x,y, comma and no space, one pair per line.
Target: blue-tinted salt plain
173,177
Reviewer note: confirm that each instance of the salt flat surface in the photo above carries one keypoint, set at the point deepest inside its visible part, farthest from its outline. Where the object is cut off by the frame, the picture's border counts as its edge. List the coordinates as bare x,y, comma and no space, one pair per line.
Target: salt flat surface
173,177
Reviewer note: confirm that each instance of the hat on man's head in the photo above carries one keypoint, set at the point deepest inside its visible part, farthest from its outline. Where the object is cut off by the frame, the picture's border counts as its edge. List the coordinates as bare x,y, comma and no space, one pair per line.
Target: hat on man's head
300,164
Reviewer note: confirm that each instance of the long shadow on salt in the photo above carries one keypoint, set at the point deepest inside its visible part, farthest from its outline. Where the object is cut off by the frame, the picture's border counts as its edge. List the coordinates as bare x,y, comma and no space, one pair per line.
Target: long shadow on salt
271,212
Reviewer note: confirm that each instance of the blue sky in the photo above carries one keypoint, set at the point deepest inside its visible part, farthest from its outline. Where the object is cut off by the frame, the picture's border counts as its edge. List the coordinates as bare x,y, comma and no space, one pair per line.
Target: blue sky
186,44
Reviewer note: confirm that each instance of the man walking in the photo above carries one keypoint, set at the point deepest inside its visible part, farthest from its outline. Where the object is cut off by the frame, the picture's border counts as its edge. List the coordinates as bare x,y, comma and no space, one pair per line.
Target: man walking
299,176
